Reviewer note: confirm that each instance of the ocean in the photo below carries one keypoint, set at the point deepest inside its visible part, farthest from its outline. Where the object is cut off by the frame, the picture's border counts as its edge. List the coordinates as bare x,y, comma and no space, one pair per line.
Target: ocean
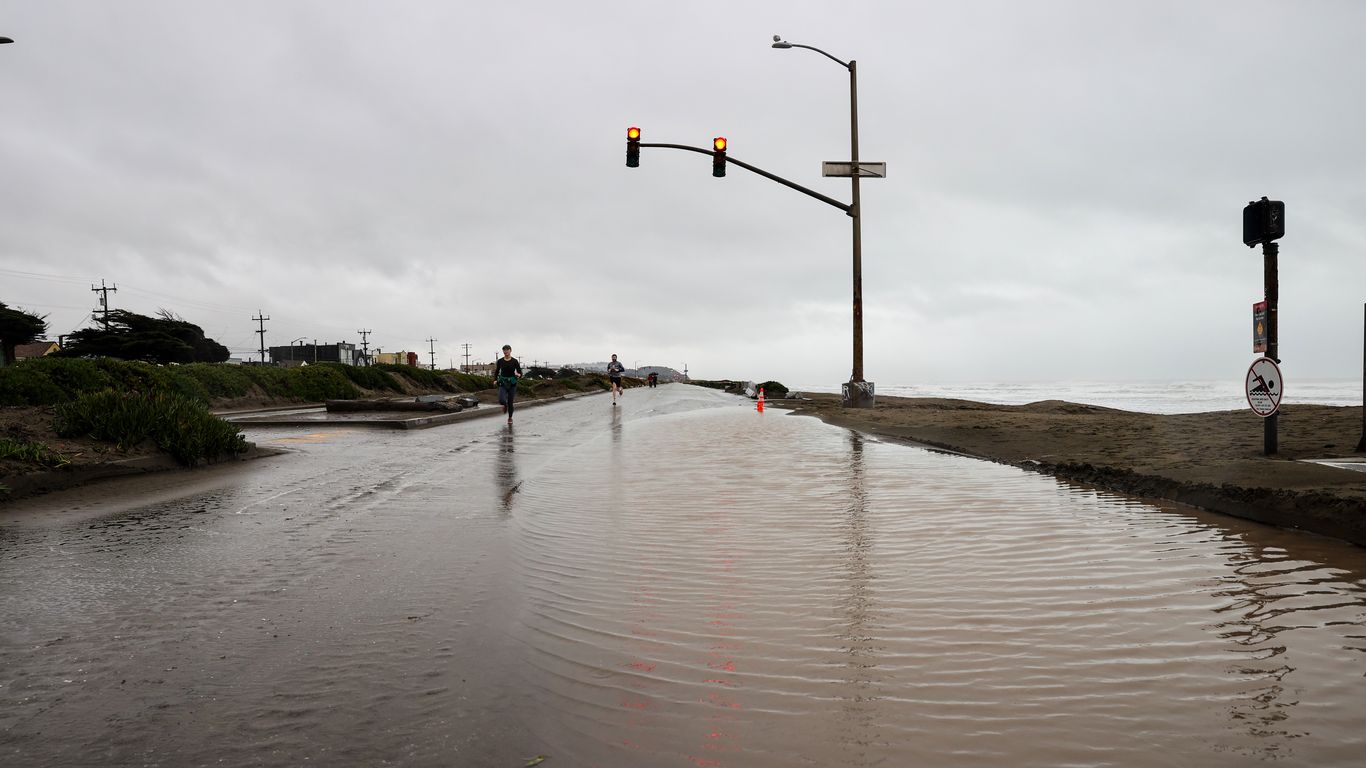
1137,396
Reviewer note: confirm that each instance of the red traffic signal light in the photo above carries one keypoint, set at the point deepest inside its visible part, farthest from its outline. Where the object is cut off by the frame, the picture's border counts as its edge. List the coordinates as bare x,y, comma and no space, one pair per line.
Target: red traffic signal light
718,156
633,147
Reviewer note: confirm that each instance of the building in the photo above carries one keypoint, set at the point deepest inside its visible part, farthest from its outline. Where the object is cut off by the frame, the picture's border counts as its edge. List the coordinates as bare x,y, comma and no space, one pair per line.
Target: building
297,354
395,358
36,349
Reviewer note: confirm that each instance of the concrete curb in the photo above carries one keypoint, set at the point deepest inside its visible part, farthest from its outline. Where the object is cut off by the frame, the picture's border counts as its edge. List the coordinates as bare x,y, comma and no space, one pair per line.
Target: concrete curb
381,419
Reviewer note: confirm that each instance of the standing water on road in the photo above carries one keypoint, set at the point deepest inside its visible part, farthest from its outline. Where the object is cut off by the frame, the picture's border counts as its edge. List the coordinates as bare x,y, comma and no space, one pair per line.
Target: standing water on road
675,581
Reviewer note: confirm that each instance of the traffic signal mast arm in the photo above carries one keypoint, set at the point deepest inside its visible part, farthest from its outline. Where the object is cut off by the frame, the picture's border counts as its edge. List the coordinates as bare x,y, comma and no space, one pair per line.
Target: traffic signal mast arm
848,209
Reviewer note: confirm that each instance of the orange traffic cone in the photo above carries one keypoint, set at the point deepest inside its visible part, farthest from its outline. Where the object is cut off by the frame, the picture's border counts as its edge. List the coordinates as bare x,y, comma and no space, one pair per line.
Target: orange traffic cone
760,406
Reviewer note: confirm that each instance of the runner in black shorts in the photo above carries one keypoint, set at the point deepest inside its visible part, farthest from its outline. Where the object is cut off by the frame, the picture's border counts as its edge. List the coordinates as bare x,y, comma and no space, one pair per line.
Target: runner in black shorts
505,372
614,371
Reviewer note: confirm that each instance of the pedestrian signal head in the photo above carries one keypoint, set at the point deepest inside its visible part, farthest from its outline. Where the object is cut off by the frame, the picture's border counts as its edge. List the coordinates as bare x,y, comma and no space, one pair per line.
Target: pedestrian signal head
1263,221
718,156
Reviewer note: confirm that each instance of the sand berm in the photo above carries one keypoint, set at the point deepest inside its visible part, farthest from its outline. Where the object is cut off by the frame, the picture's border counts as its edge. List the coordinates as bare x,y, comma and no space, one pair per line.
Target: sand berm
1213,460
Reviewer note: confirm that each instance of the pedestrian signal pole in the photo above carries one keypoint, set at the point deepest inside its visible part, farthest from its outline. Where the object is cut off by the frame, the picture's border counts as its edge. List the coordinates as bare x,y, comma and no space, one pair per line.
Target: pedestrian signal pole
1361,446
1264,222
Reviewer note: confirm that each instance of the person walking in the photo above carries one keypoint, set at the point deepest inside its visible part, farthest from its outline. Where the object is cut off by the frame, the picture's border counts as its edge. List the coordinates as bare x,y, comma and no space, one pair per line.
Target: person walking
614,372
506,372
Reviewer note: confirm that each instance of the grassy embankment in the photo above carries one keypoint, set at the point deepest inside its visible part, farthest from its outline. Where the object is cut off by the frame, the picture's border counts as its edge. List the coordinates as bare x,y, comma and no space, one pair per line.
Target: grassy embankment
126,403
129,404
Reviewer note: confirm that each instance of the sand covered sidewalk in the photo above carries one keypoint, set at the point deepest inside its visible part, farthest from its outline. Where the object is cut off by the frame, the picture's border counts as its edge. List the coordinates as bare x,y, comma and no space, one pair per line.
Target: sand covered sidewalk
1209,460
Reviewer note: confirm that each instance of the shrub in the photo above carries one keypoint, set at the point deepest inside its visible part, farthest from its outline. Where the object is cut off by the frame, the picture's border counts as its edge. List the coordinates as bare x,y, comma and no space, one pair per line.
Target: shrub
270,379
315,383
217,380
52,380
24,384
150,377
422,377
179,425
369,377
773,389
470,382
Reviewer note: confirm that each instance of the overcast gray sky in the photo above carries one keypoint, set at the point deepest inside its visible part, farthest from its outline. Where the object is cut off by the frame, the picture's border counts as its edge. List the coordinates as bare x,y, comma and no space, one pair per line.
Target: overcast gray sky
1063,200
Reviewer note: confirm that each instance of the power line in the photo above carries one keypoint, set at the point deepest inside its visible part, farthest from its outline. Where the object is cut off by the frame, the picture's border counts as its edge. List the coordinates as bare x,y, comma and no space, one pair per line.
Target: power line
71,279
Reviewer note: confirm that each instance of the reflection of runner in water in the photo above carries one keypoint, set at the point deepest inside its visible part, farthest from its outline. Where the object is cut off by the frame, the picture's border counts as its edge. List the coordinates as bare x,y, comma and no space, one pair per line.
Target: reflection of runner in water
506,469
614,371
505,372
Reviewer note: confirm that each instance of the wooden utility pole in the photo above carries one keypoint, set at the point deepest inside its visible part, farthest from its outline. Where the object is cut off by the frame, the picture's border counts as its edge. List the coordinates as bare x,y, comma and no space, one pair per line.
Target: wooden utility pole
261,322
432,351
103,291
364,344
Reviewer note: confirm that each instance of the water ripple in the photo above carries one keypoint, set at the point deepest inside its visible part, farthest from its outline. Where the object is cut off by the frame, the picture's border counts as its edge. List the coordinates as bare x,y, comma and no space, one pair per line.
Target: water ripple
831,600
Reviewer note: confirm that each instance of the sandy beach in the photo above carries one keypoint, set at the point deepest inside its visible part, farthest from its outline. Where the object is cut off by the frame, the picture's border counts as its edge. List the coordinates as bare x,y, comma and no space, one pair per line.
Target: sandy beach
1209,460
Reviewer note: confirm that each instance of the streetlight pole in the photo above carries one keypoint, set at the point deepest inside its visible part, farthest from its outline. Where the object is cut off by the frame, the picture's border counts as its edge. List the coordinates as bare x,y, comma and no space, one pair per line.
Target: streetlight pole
857,393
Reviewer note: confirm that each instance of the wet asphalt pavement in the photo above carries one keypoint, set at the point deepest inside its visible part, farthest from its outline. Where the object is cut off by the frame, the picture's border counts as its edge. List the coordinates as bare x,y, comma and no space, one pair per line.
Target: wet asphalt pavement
674,581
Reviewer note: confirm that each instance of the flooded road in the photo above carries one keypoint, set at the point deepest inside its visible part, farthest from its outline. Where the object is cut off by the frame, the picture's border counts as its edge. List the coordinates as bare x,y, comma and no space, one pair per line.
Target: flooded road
679,581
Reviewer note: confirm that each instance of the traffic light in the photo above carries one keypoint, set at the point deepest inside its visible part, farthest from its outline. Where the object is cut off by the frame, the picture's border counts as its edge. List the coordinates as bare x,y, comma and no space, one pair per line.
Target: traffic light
633,147
718,157
1263,221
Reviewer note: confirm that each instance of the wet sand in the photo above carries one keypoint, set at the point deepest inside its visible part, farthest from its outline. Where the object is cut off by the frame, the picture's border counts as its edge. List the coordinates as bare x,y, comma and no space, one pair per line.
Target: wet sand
1210,460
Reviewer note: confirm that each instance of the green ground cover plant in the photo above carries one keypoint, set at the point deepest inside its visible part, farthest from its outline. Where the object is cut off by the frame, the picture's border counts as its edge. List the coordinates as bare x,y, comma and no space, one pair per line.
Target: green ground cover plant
50,380
179,425
32,453
53,380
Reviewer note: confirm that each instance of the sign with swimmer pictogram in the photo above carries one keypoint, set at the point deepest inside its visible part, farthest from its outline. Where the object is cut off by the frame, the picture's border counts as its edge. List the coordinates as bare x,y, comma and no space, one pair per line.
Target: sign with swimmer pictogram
1264,386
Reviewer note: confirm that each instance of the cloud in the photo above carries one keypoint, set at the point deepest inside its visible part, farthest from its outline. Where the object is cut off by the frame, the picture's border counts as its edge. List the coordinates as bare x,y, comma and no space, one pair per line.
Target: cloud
1063,197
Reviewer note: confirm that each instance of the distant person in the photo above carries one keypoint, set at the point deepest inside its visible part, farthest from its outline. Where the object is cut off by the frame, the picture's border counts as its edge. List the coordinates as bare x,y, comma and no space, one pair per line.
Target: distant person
614,372
506,372
654,379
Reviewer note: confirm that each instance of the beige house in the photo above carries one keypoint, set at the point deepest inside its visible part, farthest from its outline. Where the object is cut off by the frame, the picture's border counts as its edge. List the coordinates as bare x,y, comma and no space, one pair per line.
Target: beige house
36,349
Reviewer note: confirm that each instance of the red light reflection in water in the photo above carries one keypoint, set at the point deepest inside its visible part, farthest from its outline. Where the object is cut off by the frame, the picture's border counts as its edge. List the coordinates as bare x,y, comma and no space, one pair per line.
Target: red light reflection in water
723,619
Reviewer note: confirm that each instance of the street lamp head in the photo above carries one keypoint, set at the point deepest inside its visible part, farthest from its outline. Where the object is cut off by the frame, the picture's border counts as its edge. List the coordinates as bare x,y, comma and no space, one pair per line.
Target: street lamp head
778,42
5,40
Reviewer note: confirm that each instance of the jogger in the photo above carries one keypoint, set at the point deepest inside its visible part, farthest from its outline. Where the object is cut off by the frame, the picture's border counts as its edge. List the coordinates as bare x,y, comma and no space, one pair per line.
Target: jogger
614,372
506,372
